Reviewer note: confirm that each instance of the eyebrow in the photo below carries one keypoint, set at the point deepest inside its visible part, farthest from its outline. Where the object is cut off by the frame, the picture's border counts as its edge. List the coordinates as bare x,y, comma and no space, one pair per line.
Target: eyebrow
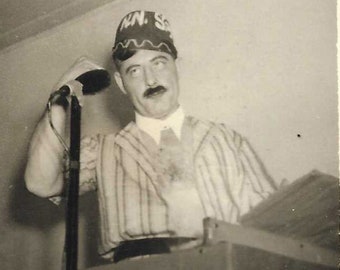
159,57
131,67
152,60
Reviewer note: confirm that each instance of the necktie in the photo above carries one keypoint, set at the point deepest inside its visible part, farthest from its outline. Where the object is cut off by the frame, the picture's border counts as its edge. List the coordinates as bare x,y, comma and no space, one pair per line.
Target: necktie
171,156
177,185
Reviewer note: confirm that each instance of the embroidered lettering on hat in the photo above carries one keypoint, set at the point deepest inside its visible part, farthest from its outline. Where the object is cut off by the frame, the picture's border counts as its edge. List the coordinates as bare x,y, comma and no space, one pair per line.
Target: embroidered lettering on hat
162,23
144,30
132,18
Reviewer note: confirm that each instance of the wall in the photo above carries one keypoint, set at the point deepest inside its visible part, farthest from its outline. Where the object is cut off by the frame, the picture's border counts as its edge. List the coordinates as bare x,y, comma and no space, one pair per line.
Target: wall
267,68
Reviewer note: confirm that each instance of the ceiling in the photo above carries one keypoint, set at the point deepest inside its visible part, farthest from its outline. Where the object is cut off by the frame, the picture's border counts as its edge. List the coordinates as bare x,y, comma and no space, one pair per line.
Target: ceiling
21,19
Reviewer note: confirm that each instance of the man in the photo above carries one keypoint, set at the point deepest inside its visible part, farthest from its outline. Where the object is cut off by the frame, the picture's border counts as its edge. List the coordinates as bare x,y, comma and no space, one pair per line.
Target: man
160,176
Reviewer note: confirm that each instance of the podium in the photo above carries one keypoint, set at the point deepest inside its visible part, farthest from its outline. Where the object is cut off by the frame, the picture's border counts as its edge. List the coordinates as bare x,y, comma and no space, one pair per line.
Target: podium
295,229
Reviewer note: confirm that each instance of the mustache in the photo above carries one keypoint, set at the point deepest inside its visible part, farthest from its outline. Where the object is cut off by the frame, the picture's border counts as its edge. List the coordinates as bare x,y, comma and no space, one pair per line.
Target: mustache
152,90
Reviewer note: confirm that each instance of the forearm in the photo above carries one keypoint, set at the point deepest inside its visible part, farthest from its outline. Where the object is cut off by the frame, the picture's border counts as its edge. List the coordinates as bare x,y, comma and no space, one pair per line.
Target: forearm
44,170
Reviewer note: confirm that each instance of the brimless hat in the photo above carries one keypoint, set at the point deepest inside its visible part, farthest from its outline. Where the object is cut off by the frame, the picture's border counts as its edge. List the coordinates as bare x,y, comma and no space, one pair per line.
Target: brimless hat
144,30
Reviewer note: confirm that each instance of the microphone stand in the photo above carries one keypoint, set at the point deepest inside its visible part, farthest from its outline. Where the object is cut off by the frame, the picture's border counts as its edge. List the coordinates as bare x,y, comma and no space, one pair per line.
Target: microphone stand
71,241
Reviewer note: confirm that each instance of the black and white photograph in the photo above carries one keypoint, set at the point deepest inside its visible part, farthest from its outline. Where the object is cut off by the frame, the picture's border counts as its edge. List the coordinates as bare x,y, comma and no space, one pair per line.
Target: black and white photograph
169,135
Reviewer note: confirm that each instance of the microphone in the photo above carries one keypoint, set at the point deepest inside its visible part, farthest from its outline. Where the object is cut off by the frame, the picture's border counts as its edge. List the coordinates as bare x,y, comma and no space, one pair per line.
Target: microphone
93,81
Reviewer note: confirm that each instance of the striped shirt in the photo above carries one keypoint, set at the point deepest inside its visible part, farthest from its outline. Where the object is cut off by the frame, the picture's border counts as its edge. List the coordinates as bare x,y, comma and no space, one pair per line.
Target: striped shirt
135,202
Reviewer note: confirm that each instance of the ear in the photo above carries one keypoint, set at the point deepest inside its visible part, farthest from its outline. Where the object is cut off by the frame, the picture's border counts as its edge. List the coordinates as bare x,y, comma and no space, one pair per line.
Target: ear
119,81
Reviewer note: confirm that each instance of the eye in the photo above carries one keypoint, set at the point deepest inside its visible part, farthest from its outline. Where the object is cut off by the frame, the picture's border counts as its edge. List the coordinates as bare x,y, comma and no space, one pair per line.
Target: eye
134,72
159,64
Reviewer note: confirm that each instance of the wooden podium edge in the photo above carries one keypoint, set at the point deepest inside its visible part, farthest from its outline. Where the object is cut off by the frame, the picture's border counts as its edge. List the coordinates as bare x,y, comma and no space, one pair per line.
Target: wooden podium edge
219,231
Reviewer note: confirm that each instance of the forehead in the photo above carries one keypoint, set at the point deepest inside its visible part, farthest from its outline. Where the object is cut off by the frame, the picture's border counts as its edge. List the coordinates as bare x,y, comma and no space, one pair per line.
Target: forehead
144,57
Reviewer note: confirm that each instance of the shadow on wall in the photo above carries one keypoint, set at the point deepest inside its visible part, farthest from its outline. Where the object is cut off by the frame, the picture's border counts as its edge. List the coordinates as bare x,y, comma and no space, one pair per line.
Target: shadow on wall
30,210
31,213
32,218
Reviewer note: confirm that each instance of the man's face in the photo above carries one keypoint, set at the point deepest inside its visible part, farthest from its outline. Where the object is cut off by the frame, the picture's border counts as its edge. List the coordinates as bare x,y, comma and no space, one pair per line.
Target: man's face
150,80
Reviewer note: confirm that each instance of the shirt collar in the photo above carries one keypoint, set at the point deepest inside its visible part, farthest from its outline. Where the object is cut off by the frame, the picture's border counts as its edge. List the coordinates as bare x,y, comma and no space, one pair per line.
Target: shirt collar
153,126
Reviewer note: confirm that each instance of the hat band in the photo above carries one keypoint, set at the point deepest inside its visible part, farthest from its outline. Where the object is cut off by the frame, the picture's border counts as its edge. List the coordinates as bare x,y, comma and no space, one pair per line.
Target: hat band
145,44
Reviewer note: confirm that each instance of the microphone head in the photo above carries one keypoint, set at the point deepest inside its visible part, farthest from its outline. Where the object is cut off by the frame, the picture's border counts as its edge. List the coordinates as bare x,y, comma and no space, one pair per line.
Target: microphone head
94,80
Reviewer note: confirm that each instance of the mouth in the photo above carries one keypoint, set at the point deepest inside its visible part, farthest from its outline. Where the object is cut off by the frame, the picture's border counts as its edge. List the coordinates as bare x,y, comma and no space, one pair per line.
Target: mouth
152,92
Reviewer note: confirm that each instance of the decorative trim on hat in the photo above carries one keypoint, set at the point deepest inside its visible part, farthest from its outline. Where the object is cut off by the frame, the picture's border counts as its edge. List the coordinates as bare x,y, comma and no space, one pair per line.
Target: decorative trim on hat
143,45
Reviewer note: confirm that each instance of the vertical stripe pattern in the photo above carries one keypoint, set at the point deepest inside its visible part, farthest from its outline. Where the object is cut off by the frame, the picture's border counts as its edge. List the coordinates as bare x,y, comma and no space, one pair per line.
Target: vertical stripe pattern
228,180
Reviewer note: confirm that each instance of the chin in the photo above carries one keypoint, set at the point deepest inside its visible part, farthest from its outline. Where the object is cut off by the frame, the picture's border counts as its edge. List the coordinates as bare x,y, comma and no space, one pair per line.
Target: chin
160,110
160,115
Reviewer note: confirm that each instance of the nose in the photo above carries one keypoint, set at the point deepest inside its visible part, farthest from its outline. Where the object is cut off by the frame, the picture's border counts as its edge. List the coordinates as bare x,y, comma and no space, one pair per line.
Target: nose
149,76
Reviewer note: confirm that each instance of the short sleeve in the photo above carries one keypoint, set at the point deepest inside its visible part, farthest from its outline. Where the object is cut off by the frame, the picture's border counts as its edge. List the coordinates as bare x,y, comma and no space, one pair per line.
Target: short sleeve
257,183
89,146
246,177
